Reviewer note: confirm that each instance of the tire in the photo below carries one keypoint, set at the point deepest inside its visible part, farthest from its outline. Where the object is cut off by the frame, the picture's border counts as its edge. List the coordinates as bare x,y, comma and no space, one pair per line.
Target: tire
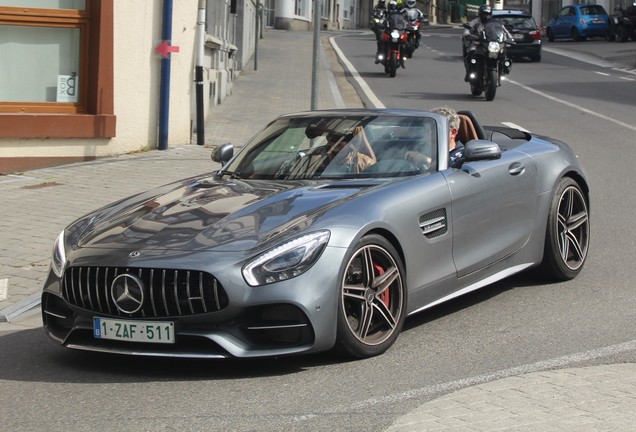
491,85
372,299
567,236
574,34
536,58
550,35
622,34
475,90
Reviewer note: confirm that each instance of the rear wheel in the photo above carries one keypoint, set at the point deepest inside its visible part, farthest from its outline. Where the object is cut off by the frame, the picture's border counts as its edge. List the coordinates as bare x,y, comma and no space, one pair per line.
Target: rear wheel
574,34
567,235
535,58
372,300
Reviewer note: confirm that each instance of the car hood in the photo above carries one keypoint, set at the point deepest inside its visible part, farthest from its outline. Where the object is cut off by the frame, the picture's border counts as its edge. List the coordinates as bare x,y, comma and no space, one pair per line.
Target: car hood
207,214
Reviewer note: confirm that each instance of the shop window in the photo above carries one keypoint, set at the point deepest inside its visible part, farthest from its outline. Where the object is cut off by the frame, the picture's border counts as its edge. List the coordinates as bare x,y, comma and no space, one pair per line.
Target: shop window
56,78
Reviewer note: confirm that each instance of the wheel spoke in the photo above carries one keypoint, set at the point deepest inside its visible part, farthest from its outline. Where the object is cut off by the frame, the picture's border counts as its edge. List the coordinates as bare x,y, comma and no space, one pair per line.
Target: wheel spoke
384,313
354,292
382,283
575,246
366,321
367,264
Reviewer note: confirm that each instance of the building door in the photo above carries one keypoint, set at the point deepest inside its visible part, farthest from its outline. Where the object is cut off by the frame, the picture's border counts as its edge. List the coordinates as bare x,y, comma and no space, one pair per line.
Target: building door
269,13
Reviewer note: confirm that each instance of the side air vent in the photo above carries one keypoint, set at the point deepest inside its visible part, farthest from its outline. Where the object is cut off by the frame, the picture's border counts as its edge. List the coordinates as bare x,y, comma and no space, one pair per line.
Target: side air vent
434,224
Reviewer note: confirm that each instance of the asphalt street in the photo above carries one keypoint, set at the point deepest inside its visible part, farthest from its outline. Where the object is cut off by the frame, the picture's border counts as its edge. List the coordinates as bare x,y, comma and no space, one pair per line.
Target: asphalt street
544,396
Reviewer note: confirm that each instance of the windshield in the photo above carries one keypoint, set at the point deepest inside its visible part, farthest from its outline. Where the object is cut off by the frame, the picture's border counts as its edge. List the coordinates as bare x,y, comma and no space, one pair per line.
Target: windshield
517,23
339,147
494,31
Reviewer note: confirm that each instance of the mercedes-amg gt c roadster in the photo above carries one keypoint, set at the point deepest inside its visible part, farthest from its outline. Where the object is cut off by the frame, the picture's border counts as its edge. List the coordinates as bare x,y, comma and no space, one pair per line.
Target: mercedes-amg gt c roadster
323,232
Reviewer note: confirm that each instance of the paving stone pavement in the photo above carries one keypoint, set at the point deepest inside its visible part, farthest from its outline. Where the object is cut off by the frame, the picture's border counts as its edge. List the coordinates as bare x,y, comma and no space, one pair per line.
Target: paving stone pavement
37,205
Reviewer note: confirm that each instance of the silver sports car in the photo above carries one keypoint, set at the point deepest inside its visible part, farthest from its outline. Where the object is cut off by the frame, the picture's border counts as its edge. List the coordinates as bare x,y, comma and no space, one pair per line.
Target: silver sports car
325,231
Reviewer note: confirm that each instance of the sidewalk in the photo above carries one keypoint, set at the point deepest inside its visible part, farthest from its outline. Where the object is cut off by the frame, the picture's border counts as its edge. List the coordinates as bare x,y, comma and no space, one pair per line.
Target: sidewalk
38,204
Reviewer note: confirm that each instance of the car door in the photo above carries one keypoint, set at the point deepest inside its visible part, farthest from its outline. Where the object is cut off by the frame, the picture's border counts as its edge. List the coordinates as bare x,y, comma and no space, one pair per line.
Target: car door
493,209
562,23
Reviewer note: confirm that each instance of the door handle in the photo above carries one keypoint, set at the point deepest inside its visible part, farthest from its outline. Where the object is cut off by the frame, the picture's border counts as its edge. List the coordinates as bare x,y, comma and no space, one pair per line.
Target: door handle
516,168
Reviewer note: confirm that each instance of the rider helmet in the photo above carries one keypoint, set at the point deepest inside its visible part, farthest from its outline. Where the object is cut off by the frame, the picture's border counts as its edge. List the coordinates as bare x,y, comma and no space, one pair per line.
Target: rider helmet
392,5
381,4
485,12
410,3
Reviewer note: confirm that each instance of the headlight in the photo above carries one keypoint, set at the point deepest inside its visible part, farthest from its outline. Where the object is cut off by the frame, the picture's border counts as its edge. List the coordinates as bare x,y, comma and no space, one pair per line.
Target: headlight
395,35
493,47
286,261
58,261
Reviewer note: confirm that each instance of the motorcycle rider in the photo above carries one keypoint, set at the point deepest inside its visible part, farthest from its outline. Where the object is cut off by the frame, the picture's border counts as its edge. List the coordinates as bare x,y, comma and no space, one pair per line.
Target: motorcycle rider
476,26
413,15
394,19
379,12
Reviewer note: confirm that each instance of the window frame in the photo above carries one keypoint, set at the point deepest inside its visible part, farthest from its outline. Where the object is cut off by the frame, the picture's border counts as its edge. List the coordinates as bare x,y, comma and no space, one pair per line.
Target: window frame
93,115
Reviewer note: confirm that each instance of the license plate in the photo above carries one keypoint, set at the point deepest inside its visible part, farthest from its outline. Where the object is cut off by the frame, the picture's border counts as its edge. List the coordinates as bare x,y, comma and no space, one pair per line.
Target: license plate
517,36
133,331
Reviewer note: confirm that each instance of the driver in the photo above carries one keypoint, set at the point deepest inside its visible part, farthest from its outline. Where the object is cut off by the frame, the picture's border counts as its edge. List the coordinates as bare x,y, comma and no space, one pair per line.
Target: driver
455,147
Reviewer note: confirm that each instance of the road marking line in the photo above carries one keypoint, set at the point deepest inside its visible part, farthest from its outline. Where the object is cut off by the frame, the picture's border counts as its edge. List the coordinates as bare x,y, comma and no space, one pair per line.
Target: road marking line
549,364
515,126
573,105
356,76
4,284
602,73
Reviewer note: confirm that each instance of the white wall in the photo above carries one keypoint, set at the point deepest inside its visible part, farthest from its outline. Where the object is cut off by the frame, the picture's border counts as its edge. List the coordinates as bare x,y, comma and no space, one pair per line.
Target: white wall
137,31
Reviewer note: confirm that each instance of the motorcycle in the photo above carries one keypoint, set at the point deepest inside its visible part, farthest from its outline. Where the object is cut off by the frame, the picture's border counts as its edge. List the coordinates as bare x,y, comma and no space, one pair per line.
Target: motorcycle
412,38
622,24
393,42
486,59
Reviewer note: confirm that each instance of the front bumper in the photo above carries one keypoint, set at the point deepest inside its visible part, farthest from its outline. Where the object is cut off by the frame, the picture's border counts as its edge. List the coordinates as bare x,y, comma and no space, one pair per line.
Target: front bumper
289,317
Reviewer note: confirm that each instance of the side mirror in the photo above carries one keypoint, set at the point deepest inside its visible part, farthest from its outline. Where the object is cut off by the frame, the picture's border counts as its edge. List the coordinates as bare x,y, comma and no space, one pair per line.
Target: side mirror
476,150
466,26
223,153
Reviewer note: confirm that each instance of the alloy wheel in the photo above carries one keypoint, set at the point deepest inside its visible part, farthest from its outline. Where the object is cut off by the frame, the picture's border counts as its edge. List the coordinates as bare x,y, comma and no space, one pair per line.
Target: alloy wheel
573,228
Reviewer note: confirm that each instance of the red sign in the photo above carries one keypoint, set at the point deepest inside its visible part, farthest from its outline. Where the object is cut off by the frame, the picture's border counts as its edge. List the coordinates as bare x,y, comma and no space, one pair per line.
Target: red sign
164,49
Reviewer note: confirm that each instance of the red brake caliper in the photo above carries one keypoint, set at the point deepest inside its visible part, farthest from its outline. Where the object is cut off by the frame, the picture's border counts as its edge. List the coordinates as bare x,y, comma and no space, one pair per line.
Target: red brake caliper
384,297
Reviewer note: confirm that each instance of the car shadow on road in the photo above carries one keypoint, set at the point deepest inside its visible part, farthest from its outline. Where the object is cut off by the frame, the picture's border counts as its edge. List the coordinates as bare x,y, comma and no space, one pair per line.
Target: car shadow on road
29,356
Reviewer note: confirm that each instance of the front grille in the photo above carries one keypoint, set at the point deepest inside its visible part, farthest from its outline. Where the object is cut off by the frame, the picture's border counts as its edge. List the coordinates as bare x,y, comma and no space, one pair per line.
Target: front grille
167,293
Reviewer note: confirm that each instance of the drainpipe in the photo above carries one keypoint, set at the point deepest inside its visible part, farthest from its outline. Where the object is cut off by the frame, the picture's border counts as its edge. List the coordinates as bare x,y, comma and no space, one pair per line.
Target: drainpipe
164,90
198,73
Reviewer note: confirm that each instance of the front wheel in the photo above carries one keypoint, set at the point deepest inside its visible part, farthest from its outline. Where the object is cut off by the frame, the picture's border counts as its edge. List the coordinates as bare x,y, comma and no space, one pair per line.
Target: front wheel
567,236
372,299
491,85
393,62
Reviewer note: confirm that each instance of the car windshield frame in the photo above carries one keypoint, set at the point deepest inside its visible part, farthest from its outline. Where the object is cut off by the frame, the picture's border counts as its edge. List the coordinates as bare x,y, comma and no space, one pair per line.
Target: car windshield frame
337,147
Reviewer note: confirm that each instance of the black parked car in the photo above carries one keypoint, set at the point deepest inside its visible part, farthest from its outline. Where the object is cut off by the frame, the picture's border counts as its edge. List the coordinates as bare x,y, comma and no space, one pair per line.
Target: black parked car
622,24
525,32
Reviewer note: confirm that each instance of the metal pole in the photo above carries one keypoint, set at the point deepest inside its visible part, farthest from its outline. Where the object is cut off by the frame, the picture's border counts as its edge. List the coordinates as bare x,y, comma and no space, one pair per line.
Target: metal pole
164,92
256,34
198,73
316,57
